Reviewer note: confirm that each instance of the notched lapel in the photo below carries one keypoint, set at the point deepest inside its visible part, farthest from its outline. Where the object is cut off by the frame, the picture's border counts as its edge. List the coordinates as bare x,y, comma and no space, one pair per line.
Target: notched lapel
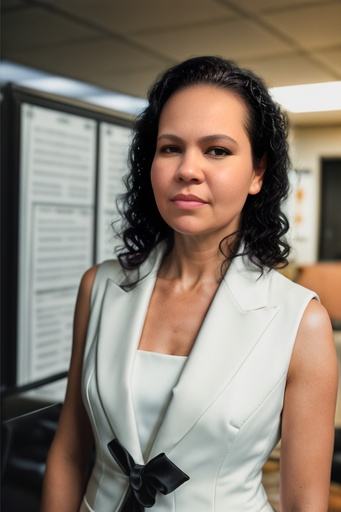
226,338
120,328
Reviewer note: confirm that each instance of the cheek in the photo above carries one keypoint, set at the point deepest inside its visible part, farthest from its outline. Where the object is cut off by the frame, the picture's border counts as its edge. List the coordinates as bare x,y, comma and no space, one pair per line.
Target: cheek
234,186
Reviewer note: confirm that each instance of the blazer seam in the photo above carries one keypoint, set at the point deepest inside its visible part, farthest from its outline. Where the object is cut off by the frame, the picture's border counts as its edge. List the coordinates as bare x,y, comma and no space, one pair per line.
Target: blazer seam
238,430
221,465
261,404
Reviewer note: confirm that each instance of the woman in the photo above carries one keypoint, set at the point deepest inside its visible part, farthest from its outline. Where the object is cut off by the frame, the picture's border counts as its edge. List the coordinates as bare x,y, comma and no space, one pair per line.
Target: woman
192,353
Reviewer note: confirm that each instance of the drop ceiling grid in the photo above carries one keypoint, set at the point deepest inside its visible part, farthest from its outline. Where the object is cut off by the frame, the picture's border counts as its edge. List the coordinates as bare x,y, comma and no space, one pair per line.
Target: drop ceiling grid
312,27
291,69
263,6
332,58
231,38
132,16
33,28
132,40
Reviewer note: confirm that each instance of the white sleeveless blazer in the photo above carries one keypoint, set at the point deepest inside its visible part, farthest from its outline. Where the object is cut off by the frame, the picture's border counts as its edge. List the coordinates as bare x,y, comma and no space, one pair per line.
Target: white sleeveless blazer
224,416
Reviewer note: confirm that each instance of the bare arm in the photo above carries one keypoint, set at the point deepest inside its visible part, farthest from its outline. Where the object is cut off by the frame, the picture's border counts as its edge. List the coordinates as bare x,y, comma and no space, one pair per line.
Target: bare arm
309,415
67,463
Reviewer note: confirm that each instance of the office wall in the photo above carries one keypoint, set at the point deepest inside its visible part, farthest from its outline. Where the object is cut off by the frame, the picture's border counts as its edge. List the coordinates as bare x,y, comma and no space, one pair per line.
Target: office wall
308,146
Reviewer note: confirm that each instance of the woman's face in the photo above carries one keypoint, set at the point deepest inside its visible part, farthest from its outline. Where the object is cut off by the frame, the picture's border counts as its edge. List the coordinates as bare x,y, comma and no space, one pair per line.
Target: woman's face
202,171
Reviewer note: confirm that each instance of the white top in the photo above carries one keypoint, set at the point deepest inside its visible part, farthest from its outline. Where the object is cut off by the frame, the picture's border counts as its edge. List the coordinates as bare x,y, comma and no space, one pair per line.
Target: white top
154,378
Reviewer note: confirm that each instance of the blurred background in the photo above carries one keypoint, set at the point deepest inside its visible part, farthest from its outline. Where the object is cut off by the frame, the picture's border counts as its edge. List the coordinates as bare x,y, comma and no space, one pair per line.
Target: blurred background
73,75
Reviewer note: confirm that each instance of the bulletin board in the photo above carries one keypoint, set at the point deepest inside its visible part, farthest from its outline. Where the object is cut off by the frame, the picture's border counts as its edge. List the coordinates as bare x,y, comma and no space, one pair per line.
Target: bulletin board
63,171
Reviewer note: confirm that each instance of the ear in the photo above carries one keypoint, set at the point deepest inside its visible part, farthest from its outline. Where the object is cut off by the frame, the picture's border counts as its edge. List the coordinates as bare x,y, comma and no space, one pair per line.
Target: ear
258,177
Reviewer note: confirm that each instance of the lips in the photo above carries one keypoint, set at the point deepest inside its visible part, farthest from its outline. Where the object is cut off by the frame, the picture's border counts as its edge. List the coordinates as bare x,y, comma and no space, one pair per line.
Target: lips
188,201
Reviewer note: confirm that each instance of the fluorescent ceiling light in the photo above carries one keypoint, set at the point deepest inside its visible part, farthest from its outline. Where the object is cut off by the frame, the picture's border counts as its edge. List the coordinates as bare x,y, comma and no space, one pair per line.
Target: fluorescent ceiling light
70,88
309,97
59,85
116,101
15,73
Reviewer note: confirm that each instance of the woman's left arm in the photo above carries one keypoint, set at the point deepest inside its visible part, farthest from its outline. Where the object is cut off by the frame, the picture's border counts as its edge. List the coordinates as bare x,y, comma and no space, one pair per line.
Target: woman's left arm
309,415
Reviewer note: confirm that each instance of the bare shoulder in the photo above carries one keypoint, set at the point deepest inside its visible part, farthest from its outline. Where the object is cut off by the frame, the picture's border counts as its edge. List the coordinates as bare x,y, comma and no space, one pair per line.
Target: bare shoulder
315,316
85,287
82,309
88,280
314,349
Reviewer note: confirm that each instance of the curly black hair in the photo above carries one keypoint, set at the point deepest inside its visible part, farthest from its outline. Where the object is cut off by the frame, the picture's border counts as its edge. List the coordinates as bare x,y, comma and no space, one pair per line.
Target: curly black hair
263,224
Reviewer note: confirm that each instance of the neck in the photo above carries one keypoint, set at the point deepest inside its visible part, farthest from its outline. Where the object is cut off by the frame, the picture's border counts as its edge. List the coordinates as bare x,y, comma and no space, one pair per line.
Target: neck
193,262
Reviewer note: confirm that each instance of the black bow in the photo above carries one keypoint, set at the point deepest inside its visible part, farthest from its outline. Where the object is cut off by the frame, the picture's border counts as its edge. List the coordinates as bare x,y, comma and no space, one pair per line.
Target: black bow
159,474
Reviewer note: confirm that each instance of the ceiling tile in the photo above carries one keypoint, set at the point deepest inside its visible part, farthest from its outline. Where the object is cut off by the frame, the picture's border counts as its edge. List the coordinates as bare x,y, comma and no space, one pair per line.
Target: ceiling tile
12,4
311,27
332,58
222,38
288,70
84,60
260,5
134,82
35,27
126,16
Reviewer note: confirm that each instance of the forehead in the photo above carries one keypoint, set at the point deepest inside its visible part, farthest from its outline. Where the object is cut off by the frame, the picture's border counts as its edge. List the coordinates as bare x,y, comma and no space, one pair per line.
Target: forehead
204,105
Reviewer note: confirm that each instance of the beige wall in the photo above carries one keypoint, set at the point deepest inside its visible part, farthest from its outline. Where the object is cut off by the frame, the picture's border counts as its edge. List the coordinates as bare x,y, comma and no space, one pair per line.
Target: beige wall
308,146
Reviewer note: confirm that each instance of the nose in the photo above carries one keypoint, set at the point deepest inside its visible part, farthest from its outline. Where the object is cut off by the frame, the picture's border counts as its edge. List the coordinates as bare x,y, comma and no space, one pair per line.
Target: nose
190,168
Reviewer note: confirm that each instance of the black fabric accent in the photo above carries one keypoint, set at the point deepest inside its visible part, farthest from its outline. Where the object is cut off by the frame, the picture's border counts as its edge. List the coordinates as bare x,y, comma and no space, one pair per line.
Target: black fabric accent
160,474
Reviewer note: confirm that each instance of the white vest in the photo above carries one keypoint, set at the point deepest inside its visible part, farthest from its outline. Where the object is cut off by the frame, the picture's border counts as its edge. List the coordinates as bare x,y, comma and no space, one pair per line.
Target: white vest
224,417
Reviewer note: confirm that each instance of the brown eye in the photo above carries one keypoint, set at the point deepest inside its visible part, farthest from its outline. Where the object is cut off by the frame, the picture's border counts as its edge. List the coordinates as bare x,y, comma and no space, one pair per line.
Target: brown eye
170,149
218,151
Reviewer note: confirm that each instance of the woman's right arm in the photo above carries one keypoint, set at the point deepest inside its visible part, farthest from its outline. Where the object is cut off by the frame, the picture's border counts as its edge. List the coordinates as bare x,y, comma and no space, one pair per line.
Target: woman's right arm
68,458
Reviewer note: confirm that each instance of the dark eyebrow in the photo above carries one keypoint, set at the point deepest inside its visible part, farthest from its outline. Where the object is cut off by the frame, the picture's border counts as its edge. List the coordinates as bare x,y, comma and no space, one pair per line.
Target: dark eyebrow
215,136
206,138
